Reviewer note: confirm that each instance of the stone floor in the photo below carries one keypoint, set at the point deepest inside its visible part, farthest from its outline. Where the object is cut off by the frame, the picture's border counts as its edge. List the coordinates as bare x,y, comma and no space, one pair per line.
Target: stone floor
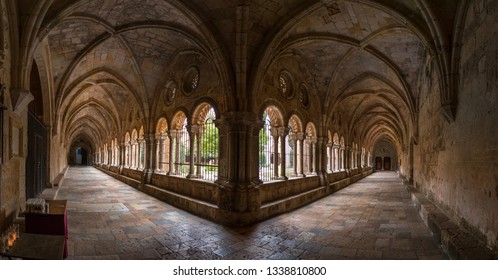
371,219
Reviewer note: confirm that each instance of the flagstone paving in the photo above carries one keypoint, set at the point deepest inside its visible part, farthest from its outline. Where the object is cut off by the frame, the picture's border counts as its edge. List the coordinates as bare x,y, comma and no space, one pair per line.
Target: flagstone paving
371,219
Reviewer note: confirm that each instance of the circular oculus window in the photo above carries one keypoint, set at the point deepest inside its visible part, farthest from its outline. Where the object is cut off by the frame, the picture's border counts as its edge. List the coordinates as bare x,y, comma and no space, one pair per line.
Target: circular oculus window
191,80
285,85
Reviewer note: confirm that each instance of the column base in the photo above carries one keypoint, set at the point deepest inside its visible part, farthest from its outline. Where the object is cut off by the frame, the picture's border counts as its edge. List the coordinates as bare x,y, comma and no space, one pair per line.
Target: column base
280,178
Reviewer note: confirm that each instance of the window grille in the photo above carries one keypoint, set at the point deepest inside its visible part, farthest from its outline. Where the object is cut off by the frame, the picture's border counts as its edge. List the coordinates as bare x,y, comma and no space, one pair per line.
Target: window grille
290,160
207,163
266,151
182,158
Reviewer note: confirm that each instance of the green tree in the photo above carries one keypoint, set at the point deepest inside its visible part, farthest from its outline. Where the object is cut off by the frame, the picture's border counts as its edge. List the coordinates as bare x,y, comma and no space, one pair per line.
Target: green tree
263,141
210,141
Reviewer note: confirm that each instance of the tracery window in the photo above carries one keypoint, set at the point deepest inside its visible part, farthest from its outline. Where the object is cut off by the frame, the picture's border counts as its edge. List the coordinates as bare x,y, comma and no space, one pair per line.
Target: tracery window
285,84
127,150
191,80
207,148
162,147
134,149
272,146
141,149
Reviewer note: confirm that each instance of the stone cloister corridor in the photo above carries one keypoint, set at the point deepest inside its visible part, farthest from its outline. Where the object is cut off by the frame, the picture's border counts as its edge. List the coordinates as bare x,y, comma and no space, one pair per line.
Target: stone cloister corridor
282,128
371,219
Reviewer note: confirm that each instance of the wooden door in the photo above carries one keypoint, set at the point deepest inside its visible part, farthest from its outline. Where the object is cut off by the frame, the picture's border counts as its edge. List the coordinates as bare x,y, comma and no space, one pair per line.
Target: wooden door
387,163
378,163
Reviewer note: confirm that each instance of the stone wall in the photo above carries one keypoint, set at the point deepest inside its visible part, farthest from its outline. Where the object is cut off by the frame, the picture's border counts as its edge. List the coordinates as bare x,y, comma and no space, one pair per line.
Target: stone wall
277,190
202,190
456,163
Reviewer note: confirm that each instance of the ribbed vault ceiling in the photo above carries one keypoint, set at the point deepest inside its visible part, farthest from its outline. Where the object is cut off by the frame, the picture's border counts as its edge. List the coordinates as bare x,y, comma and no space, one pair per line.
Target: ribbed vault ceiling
361,59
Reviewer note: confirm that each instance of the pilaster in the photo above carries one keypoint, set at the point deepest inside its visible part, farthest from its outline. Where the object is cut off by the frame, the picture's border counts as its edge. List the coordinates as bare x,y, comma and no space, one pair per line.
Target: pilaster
238,178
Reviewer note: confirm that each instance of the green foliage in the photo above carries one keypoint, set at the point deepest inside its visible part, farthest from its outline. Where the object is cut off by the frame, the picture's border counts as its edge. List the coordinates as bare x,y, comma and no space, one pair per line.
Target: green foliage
210,142
263,141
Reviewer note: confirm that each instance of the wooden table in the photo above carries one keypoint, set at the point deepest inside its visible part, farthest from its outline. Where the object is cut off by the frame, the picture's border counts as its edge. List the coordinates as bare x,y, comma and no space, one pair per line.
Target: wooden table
52,223
37,247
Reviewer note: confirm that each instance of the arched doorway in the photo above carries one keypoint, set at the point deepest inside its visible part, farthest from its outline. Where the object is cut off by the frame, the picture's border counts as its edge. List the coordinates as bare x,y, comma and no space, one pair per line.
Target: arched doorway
386,157
81,155
37,157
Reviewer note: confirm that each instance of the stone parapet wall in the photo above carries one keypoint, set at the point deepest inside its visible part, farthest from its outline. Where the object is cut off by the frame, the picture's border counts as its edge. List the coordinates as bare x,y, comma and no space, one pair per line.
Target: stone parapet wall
276,190
197,189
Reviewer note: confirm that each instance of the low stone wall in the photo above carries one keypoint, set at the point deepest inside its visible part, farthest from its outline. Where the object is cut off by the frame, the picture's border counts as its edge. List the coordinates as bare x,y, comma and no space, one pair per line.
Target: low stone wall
132,173
197,189
456,242
337,176
198,207
276,190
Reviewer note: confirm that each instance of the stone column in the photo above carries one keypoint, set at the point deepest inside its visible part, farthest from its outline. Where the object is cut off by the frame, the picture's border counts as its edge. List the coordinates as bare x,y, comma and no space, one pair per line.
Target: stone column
300,138
158,153
200,133
348,158
238,177
161,145
172,143
178,138
109,156
122,157
293,138
313,156
341,158
192,132
282,133
321,160
149,157
132,155
330,152
274,135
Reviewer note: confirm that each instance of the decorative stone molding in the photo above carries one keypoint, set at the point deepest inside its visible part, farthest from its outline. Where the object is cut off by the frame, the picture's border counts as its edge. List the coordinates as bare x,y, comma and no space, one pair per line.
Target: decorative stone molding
21,98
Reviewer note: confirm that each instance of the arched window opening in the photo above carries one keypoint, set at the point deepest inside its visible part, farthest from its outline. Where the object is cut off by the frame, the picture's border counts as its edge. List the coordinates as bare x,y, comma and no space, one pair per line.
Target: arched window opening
113,153
179,146
206,153
330,152
294,155
335,147
106,154
162,147
183,159
116,152
310,150
134,149
141,149
342,153
353,156
127,150
272,145
265,150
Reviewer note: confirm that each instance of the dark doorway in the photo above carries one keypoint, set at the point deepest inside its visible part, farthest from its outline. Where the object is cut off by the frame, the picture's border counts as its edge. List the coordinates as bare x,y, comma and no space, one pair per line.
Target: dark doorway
81,156
387,163
36,164
84,155
378,163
